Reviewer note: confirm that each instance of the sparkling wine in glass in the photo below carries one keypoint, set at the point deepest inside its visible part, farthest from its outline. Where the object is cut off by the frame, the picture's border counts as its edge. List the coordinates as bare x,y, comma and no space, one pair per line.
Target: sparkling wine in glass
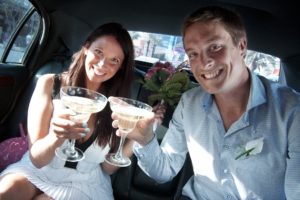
82,102
129,111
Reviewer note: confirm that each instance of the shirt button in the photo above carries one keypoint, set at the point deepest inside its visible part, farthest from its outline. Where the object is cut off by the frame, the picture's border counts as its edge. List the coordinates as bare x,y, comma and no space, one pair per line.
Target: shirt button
228,196
226,147
225,171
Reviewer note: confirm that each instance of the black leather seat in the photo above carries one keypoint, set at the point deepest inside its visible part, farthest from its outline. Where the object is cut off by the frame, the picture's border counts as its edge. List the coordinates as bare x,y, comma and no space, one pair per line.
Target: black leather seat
132,183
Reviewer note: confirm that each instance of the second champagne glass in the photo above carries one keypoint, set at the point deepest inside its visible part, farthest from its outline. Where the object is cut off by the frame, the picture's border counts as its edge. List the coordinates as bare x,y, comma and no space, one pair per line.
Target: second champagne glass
83,103
129,111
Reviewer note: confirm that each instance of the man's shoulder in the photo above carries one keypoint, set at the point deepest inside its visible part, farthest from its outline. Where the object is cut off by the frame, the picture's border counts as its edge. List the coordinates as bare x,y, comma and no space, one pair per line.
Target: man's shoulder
281,93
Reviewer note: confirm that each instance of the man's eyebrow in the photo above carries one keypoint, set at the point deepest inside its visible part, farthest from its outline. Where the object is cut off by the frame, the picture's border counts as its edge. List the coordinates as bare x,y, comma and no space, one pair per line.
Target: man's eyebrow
214,38
188,49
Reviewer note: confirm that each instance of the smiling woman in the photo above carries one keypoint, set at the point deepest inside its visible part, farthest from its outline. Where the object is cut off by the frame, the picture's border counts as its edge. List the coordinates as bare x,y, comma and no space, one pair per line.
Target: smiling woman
104,61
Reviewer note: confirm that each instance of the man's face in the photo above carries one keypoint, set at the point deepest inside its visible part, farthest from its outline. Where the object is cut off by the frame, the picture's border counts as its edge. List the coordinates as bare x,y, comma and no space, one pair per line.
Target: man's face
217,64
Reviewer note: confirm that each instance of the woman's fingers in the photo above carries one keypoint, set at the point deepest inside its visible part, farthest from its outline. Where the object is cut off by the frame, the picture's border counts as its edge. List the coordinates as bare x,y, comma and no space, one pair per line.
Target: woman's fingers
65,128
115,124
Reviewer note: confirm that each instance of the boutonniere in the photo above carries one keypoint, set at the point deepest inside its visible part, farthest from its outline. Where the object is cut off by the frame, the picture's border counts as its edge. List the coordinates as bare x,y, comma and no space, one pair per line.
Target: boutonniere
252,147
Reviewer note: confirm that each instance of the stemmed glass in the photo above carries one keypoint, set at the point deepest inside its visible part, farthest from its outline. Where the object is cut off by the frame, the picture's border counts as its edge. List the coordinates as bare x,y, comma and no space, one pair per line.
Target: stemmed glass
129,111
82,102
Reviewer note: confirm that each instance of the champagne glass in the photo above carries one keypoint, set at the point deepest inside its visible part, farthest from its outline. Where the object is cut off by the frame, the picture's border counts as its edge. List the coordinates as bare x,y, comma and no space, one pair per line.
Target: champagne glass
129,111
82,102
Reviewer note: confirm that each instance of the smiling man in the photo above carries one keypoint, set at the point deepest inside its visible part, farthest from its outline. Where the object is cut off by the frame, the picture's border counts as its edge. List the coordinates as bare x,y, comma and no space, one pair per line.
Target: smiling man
241,130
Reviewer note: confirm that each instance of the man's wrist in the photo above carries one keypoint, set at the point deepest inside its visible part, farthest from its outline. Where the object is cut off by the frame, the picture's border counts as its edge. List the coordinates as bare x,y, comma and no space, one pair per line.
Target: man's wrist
147,139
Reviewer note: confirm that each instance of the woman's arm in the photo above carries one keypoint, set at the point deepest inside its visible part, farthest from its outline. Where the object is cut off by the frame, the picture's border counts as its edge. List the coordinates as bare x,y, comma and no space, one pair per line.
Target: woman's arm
42,143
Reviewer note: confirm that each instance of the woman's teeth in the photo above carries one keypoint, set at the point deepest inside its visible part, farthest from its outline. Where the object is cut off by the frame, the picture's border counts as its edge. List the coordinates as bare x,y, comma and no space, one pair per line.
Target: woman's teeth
98,73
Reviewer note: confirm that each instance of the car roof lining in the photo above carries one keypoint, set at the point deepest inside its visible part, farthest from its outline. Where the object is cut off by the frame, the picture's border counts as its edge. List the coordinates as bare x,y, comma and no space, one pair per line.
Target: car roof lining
151,16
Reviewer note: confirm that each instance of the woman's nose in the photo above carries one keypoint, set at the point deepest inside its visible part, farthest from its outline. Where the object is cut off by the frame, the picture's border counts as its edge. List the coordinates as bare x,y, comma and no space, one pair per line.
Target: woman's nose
101,62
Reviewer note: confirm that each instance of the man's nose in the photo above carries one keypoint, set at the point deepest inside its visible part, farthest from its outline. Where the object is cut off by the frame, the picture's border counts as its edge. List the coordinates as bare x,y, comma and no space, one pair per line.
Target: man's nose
206,62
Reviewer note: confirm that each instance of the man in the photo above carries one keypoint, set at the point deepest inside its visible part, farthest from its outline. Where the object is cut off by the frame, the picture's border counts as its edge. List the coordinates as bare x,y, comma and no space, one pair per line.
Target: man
242,132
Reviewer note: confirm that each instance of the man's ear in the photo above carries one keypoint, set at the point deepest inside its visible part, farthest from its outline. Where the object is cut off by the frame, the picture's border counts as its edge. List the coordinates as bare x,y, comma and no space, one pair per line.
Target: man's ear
243,46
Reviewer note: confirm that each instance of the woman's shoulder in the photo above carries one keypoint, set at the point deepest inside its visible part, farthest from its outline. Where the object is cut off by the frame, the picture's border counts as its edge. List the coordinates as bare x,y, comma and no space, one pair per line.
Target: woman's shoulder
46,83
46,79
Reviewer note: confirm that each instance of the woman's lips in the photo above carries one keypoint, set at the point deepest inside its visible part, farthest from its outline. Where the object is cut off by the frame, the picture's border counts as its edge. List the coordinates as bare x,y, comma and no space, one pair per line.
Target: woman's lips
98,72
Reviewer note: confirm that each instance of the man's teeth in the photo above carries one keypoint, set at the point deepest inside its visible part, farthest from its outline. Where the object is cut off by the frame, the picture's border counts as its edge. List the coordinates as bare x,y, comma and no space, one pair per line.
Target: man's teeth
212,74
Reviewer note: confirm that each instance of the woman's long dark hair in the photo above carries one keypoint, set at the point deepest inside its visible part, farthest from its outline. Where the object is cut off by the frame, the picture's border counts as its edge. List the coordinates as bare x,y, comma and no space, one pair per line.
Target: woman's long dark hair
118,85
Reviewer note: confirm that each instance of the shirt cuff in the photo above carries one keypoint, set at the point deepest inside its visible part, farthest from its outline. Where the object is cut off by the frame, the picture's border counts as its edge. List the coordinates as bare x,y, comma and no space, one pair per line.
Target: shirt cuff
147,151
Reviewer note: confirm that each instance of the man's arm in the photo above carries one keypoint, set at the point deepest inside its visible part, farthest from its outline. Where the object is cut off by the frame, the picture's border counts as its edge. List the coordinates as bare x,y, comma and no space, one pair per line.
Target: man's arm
292,175
162,163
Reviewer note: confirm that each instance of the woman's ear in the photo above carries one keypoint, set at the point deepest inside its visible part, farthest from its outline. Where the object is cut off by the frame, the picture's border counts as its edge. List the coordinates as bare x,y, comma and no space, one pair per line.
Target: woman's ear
85,51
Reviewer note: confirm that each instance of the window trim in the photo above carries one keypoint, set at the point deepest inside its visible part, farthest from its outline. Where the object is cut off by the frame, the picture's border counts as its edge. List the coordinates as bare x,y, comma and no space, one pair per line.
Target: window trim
14,35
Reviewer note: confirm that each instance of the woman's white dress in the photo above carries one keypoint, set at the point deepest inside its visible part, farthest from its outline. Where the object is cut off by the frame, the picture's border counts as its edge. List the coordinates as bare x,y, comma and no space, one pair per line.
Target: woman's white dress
87,181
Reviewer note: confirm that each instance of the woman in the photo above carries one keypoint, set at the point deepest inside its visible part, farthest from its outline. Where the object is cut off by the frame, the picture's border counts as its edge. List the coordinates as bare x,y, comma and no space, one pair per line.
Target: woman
104,64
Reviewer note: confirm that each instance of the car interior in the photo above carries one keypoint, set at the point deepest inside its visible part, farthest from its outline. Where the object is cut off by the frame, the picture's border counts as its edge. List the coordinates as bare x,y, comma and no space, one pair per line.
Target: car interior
58,28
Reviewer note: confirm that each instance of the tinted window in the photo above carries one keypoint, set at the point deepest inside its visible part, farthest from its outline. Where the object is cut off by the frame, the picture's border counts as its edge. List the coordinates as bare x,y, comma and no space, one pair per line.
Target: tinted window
19,23
263,64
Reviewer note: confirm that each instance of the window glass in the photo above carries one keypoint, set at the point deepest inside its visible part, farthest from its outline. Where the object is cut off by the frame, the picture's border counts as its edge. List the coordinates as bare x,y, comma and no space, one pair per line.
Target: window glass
152,47
24,39
11,13
263,64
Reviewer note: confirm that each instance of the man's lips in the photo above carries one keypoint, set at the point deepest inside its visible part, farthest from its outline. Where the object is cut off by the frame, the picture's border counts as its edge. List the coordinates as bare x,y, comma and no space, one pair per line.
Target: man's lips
211,74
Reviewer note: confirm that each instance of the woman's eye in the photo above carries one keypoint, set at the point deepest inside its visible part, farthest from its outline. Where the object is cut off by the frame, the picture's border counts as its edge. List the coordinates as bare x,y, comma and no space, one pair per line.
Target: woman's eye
98,51
114,61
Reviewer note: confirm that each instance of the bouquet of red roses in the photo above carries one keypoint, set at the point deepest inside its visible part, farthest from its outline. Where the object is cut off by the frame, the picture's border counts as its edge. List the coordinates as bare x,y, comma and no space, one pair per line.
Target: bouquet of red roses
166,83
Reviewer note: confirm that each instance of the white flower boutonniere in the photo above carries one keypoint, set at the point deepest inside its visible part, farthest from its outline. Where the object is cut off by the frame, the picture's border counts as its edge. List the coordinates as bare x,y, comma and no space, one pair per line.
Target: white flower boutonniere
252,147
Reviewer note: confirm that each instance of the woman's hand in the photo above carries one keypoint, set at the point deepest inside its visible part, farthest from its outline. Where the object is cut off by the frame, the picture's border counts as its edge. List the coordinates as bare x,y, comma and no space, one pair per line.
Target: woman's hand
64,126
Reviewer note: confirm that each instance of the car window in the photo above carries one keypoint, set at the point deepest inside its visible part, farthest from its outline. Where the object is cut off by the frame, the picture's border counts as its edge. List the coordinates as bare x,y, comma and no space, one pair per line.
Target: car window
263,64
19,24
152,47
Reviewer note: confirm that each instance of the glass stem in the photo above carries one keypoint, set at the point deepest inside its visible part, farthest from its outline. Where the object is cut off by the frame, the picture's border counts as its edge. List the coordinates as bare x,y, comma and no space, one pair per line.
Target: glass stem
119,153
72,145
155,124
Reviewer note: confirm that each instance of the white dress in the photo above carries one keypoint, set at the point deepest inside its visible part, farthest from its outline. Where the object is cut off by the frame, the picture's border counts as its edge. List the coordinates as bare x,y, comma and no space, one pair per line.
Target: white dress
87,181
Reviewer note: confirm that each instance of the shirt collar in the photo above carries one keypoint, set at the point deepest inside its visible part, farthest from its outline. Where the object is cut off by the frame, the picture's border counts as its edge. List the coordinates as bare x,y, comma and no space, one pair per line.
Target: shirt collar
257,92
256,87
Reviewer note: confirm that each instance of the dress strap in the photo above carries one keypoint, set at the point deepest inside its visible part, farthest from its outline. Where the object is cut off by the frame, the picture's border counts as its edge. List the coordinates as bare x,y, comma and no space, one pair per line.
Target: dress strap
56,86
82,146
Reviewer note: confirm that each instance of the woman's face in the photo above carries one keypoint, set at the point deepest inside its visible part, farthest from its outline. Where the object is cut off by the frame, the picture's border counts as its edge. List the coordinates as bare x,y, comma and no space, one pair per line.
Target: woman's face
103,59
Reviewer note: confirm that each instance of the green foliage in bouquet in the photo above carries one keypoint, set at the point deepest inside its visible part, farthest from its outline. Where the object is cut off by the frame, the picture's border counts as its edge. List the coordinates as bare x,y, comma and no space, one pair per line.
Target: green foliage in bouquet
165,83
